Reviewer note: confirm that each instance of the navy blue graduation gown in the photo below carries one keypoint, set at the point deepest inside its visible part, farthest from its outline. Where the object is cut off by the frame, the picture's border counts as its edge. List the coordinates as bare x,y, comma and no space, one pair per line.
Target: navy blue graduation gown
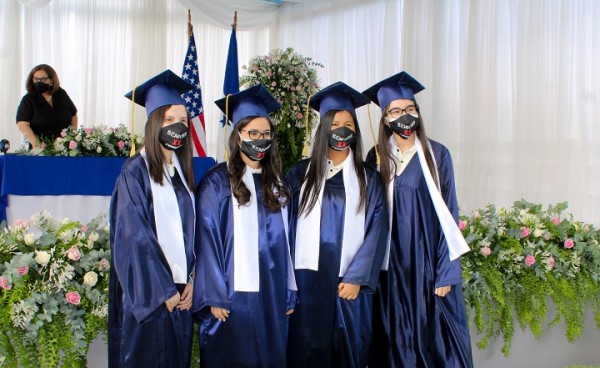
254,335
412,327
326,330
141,331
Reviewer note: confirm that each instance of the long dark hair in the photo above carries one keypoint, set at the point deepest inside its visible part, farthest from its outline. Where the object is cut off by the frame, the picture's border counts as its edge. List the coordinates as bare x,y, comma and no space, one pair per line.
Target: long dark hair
388,164
275,194
154,154
315,175
51,73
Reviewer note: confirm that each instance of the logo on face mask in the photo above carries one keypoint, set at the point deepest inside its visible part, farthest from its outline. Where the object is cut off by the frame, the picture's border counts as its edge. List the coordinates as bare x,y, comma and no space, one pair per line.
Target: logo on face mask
255,149
173,136
405,125
341,138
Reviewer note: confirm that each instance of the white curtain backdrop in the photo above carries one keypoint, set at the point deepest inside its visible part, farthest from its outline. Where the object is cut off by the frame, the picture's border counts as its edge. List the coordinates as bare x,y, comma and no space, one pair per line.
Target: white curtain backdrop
512,86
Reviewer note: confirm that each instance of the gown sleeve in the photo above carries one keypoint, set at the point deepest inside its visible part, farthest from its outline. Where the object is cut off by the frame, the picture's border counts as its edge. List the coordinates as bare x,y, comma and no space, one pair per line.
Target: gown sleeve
210,284
447,272
366,264
141,267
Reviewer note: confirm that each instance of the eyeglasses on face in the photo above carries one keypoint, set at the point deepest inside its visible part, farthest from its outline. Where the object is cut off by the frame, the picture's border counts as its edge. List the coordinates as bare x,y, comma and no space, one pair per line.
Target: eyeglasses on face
42,79
396,112
255,134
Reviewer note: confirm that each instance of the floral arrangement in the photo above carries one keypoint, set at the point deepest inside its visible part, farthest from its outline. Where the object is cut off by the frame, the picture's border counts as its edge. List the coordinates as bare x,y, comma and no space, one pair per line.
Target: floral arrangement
53,290
523,256
97,141
291,78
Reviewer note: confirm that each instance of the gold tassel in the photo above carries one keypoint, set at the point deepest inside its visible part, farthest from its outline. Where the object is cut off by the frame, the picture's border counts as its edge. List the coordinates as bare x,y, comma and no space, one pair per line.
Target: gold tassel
226,153
307,131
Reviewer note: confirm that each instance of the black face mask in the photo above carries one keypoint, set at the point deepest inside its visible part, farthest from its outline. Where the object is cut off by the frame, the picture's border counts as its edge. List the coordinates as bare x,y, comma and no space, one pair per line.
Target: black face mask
173,136
405,125
255,149
341,138
41,87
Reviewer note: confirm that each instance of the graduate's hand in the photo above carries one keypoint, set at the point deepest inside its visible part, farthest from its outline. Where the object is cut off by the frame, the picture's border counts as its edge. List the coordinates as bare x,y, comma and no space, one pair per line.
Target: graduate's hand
172,302
348,291
219,313
442,291
186,298
289,312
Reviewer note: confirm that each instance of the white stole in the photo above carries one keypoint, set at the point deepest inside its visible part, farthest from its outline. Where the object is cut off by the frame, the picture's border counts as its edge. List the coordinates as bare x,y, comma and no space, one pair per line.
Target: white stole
169,228
457,244
308,229
246,269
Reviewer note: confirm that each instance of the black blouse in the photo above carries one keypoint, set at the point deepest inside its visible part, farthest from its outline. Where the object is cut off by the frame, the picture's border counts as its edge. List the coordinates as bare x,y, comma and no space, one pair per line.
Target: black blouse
45,120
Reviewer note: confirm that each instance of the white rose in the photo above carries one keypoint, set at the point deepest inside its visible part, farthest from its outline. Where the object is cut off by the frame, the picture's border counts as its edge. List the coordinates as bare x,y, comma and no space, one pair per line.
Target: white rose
42,257
90,279
94,236
29,239
99,149
538,232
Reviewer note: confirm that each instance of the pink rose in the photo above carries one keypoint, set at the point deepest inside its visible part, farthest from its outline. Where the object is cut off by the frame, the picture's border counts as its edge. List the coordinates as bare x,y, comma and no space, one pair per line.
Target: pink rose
530,260
556,220
23,270
88,130
485,251
63,134
103,264
273,84
121,145
72,145
299,115
4,283
255,68
569,243
551,262
292,88
83,228
524,232
21,223
73,297
42,145
462,225
269,73
74,254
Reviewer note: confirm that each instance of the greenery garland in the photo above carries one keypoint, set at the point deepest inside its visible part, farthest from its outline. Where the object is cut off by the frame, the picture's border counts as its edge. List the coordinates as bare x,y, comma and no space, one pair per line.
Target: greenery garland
520,258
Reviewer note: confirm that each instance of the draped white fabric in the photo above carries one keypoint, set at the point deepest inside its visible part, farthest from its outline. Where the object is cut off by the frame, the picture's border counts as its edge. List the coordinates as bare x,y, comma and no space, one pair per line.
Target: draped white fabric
512,86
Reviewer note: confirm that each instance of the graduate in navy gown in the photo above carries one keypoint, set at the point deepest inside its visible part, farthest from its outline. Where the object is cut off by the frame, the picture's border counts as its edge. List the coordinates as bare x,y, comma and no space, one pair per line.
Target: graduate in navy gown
151,237
339,231
244,286
420,318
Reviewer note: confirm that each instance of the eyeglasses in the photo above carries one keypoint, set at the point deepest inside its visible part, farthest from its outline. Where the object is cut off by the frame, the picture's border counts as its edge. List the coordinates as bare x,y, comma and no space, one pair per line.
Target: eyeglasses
396,112
43,79
255,134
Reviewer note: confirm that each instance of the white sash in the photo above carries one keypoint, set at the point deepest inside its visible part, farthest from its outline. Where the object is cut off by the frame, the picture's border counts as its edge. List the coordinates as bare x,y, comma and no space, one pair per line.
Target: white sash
309,224
246,269
169,228
454,239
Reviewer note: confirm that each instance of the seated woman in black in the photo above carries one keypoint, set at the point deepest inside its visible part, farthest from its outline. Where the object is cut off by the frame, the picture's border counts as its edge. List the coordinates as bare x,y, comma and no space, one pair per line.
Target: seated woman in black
46,109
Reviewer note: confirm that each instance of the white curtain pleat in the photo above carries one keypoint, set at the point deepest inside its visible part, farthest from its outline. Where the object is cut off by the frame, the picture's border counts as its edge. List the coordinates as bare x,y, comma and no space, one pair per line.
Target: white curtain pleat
512,86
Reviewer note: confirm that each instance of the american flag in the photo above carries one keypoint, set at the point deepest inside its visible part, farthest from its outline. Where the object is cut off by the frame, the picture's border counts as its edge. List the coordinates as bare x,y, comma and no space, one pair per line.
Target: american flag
193,98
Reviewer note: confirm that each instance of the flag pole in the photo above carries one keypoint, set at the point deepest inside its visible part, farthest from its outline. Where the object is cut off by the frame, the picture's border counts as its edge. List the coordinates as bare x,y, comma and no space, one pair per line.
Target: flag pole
235,20
226,152
189,24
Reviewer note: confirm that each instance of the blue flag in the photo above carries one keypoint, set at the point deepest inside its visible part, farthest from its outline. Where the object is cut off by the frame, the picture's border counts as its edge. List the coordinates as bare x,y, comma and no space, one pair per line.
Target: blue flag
231,84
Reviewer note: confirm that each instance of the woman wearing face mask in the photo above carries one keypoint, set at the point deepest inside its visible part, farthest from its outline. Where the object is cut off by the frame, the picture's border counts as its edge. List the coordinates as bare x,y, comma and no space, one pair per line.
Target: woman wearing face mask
419,312
244,286
339,226
46,109
151,235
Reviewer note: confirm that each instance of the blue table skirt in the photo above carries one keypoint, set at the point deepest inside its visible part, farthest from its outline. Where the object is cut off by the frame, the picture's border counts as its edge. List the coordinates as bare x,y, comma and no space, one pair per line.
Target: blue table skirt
34,175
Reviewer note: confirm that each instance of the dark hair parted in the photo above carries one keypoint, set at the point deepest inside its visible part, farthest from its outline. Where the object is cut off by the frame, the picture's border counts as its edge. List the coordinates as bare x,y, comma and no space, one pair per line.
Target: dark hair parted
316,173
275,194
388,164
55,82
154,154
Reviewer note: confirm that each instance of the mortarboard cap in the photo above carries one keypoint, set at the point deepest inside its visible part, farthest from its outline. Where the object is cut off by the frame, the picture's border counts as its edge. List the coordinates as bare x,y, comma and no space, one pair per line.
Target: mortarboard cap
399,86
254,101
338,96
163,89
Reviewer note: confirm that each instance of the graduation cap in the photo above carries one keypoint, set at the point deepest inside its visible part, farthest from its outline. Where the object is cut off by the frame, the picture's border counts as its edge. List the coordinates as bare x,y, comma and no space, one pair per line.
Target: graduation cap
163,89
338,96
254,101
399,86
